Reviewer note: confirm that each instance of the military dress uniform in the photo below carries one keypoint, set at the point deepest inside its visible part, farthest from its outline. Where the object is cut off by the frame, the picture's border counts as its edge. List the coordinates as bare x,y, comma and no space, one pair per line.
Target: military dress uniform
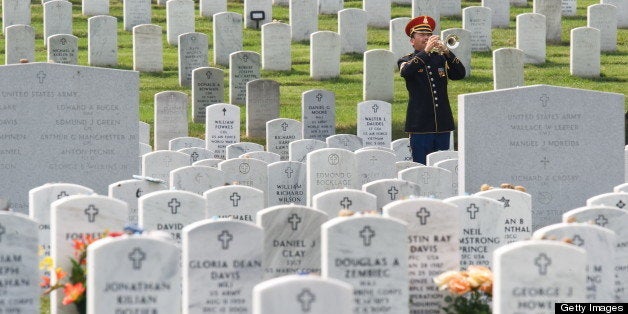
428,111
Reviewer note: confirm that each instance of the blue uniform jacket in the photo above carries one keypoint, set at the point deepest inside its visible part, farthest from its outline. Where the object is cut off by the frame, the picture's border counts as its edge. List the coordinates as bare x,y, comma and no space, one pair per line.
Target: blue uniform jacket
426,81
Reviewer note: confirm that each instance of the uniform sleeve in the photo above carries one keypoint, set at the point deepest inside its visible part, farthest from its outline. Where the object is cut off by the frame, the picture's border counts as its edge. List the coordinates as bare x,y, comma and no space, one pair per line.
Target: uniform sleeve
456,70
412,65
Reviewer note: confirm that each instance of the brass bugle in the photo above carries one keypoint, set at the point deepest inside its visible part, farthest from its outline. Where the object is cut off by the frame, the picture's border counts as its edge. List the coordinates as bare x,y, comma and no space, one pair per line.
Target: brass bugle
452,41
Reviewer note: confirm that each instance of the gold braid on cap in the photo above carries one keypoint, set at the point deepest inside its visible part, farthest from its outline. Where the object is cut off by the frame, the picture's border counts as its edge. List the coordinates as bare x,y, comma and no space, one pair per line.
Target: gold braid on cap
421,28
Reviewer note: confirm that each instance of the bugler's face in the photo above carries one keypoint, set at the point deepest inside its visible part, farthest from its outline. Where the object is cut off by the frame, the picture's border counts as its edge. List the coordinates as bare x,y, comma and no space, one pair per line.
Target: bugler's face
419,40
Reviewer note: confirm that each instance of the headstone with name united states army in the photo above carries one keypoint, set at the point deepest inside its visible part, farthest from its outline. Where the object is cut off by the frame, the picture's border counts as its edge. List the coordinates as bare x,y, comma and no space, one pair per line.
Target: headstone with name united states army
222,127
88,135
540,145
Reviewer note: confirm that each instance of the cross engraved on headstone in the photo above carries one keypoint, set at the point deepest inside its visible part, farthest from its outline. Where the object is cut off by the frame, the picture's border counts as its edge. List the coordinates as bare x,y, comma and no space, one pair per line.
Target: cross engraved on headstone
620,204
138,193
137,256
91,211
244,168
194,156
167,161
224,111
544,99
472,210
284,126
306,298
367,234
225,237
373,159
505,201
578,240
346,202
235,197
174,205
601,220
422,214
393,193
542,261
63,41
294,220
426,177
344,141
245,58
375,107
193,38
41,76
62,194
208,74
545,161
333,159
319,96
3,230
198,177
289,172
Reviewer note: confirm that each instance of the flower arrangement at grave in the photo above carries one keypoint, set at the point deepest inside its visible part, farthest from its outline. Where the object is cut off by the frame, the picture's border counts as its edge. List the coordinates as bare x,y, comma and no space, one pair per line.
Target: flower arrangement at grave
471,290
74,282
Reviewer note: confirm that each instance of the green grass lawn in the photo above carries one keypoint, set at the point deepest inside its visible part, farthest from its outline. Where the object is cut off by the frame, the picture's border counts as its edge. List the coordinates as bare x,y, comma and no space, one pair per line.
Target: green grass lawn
348,87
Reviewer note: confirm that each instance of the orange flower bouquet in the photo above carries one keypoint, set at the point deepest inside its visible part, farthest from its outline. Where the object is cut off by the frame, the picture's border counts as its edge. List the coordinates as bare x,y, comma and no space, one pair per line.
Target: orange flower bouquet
75,285
472,290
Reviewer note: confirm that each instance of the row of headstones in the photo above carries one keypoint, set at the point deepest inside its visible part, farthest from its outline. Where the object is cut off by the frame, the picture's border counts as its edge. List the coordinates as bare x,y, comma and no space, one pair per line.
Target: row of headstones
416,240
222,121
352,38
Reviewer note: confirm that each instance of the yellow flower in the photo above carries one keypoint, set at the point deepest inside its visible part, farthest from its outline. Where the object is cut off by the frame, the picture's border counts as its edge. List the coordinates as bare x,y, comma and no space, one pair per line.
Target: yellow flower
478,275
443,279
46,263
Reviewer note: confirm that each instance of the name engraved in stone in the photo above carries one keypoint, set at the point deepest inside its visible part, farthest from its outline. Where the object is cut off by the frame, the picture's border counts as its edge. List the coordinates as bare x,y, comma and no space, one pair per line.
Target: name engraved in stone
289,193
139,286
333,179
76,236
530,297
239,217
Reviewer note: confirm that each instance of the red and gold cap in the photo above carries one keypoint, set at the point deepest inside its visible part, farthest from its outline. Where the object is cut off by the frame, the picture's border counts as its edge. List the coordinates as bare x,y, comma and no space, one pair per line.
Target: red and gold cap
420,24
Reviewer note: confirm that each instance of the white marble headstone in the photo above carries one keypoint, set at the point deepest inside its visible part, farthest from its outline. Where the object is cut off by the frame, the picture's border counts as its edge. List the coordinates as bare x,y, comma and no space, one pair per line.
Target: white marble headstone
63,48
330,168
95,7
522,270
531,30
222,262
77,217
280,133
430,8
57,18
375,165
374,116
196,179
265,6
207,89
432,158
15,12
102,41
333,201
352,27
147,48
433,228
390,190
500,12
599,243
136,12
234,201
19,43
20,291
197,153
552,9
433,181
303,16
262,105
604,18
378,75
287,183
171,117
318,114
267,157
292,239
622,11
477,20
235,150
158,164
324,55
482,228
170,211
402,150
144,277
398,40
244,66
507,68
179,143
303,294
370,253
276,47
378,12
222,127
229,39
349,142
179,19
517,212
130,191
207,8
193,50
299,149
245,171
